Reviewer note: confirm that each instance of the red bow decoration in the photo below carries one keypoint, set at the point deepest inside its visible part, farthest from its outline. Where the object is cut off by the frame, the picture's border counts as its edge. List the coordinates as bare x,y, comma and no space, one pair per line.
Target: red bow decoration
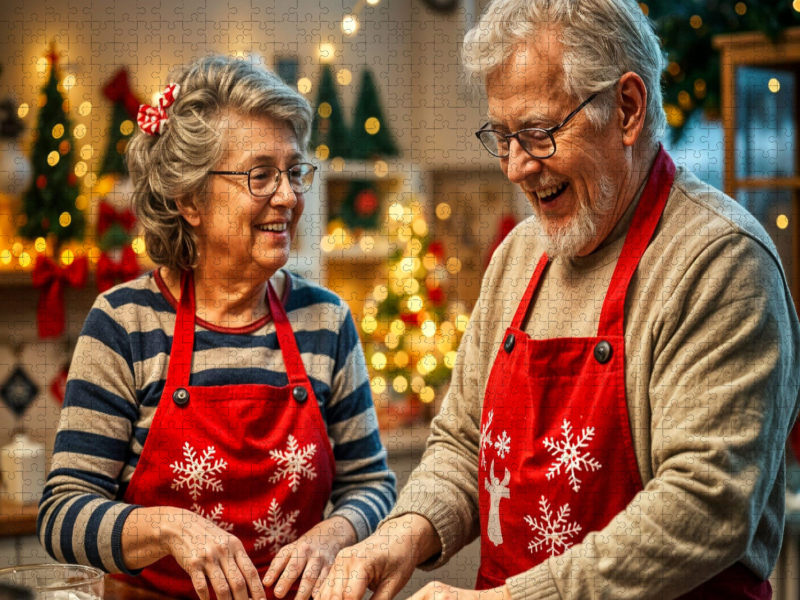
109,216
58,386
109,272
153,119
51,280
118,89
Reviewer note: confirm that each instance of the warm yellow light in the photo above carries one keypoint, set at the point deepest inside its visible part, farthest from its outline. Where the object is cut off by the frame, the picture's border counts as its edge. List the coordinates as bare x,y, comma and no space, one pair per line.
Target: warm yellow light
380,293
420,227
450,359
401,359
396,211
79,131
426,394
412,285
381,169
782,222
323,152
304,85
5,256
774,85
443,211
372,2
369,324
391,341
126,127
326,52
645,8
427,364
696,22
685,100
53,158
414,304
674,68
24,259
85,108
372,126
91,180
453,265
86,152
444,344
741,7
41,65
16,249
69,82
379,361
400,384
23,110
58,131
461,323
138,245
417,383
378,385
428,328
64,219
81,202
344,76
67,256
397,327
350,24
675,116
40,244
325,110
429,261
81,169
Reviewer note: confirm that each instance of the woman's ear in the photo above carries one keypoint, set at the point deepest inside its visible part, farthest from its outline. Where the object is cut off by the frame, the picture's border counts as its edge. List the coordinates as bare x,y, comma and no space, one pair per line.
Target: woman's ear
189,211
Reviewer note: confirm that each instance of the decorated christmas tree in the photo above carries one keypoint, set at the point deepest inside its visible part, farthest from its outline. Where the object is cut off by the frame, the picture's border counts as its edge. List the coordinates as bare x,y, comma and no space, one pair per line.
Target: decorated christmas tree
123,118
329,135
49,203
371,137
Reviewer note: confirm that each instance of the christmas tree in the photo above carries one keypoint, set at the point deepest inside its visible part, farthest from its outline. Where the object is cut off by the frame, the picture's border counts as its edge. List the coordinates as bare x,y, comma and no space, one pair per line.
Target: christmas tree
49,204
329,130
371,137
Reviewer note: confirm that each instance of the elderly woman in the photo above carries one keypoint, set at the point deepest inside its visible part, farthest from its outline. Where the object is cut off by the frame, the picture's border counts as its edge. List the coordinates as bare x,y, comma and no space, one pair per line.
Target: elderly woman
217,405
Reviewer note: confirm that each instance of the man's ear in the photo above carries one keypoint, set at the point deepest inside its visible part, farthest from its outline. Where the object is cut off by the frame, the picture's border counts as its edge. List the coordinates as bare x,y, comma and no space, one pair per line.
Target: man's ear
631,107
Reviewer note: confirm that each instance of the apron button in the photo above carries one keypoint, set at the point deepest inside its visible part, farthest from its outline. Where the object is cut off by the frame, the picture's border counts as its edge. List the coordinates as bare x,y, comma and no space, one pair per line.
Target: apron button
299,393
602,352
508,346
180,396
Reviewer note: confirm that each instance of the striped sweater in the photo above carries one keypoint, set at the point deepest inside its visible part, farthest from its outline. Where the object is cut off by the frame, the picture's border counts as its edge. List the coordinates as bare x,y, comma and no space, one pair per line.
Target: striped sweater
116,379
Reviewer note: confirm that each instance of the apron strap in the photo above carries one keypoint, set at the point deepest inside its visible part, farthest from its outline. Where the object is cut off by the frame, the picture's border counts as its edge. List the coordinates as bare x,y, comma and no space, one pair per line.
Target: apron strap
180,358
533,284
295,370
645,219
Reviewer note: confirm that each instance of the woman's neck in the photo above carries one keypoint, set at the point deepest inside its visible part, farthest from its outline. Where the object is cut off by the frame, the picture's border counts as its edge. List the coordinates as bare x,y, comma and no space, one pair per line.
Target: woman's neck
227,301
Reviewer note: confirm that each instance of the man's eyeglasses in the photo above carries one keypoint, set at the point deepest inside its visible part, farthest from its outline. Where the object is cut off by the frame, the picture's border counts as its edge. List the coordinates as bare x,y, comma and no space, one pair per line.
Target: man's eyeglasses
539,143
264,181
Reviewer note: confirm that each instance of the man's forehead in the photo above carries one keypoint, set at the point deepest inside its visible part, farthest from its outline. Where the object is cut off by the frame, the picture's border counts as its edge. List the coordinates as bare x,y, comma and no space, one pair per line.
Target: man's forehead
532,68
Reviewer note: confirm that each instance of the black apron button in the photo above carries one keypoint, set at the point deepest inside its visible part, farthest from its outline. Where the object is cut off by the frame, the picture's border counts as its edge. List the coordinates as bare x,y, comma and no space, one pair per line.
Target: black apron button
602,352
299,393
180,396
508,346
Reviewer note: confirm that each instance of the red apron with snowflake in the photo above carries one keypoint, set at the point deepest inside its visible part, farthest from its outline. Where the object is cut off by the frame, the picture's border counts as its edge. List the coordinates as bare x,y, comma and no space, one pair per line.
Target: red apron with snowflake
254,459
556,453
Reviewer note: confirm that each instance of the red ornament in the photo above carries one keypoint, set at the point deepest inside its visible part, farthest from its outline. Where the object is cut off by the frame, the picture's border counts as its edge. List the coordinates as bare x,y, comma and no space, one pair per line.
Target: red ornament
41,182
436,295
366,202
58,387
72,179
437,249
410,318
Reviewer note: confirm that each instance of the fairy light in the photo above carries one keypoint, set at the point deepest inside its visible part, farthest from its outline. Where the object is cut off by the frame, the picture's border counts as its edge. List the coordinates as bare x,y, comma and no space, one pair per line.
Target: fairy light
379,361
450,359
323,152
400,384
6,256
378,385
81,169
64,219
426,394
461,323
79,131
774,85
417,383
58,131
372,125
138,245
53,158
782,222
23,109
401,359
126,127
344,76
350,24
443,211
24,259
414,304
325,110
369,324
326,52
67,256
428,328
304,85
381,168
85,108
367,243
380,293
86,152
40,244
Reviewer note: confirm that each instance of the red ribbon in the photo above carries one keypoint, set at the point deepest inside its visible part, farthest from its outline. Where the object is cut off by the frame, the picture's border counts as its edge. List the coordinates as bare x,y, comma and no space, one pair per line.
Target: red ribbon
109,216
153,119
109,272
118,89
51,280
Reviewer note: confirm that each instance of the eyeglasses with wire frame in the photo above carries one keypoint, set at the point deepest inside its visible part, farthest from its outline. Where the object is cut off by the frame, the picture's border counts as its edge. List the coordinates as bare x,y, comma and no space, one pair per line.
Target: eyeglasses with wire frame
264,181
539,143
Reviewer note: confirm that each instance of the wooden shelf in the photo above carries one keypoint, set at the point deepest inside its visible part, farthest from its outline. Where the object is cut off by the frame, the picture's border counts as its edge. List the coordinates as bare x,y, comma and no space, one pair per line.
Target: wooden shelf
767,182
17,519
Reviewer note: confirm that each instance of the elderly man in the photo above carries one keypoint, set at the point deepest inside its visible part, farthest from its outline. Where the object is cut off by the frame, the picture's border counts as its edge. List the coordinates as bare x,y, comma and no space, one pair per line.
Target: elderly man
616,422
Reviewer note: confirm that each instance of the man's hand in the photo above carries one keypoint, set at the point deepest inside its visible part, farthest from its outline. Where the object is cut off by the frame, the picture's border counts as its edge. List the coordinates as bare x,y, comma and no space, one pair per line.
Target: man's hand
440,591
311,556
383,562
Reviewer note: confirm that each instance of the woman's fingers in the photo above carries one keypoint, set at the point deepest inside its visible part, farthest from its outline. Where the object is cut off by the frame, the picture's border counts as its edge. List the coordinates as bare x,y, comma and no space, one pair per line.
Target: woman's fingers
199,582
308,582
250,573
294,568
277,565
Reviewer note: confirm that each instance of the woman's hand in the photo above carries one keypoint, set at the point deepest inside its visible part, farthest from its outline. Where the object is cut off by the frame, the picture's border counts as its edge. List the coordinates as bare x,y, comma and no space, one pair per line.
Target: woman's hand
311,556
203,550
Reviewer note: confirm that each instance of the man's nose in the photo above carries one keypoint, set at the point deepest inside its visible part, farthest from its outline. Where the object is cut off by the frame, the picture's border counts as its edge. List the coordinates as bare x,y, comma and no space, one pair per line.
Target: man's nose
520,164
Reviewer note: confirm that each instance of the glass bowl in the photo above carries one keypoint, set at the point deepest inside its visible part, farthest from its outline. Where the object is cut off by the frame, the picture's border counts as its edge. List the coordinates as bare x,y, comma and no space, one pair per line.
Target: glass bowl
57,581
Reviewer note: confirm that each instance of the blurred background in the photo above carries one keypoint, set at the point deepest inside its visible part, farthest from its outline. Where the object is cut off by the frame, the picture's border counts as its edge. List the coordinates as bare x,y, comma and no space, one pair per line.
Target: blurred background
403,218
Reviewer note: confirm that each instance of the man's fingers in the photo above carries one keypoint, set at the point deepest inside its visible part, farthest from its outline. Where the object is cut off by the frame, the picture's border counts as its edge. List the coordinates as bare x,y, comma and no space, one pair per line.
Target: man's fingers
277,565
309,579
247,567
294,568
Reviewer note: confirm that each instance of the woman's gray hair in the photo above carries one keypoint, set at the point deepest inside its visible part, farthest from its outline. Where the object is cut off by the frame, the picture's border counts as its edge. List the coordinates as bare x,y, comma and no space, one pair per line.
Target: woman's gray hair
602,40
173,167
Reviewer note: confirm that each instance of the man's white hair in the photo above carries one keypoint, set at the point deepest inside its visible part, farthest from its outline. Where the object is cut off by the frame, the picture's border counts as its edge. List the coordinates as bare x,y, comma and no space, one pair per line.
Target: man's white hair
602,40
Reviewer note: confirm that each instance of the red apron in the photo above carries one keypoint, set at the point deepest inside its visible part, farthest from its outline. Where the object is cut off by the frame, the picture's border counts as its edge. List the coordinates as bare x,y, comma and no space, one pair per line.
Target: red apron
254,459
556,454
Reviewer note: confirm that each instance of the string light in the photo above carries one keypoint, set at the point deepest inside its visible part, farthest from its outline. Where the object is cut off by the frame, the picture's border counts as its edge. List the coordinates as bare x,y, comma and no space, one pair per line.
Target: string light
426,394
323,152
23,110
58,131
326,52
53,158
344,76
304,85
126,127
372,126
24,259
79,131
774,85
350,24
64,219
85,108
443,211
138,245
67,256
782,222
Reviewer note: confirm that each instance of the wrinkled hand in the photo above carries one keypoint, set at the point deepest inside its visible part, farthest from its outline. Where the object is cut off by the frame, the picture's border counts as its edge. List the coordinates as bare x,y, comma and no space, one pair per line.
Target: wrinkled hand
440,591
206,552
383,563
311,556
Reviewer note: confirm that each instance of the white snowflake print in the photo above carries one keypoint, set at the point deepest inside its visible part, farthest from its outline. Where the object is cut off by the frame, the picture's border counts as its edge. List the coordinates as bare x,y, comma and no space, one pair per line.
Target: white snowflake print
294,463
215,516
277,529
503,445
197,473
569,455
553,533
486,437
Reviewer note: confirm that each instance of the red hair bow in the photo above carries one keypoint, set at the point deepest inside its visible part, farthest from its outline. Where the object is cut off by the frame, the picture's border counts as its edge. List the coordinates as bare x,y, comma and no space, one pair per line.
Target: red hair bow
153,119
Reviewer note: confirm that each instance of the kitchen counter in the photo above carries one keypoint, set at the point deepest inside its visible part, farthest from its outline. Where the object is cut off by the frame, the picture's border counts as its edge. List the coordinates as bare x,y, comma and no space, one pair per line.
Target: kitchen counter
17,519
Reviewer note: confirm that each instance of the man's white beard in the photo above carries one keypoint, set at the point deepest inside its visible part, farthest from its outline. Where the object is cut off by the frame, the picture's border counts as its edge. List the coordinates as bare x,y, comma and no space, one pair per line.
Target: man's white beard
568,240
